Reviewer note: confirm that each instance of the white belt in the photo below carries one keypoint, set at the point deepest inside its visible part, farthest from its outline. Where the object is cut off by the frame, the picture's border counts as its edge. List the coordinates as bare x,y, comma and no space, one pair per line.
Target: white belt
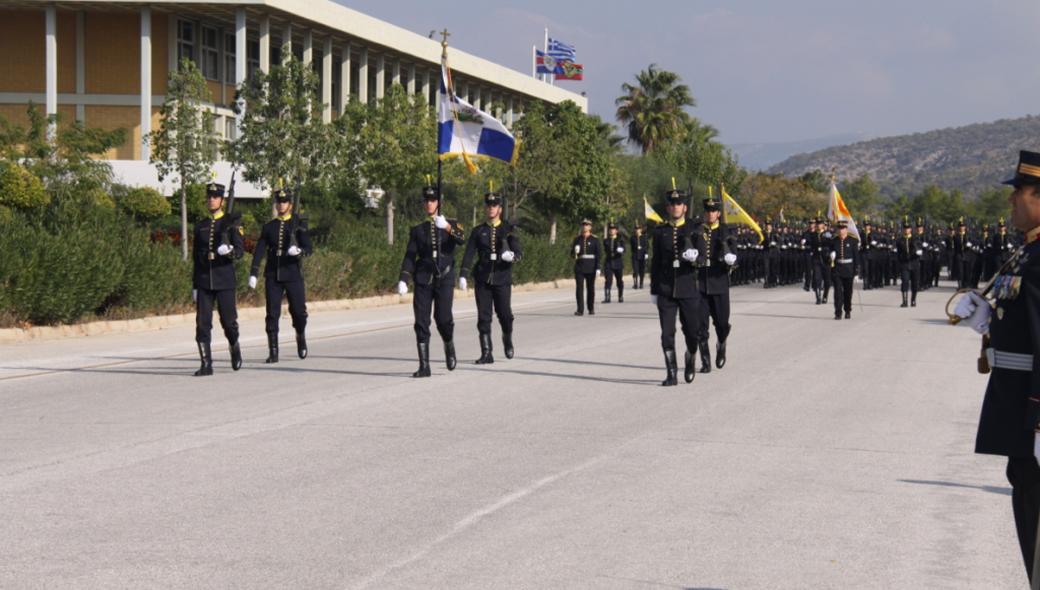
1015,361
845,261
588,255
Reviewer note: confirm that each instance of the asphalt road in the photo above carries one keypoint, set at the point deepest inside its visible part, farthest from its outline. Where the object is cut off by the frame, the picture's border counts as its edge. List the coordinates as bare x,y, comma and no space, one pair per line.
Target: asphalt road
825,455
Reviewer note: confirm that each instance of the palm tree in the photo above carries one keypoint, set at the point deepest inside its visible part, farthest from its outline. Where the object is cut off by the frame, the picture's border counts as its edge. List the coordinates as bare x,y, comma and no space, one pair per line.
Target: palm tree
653,109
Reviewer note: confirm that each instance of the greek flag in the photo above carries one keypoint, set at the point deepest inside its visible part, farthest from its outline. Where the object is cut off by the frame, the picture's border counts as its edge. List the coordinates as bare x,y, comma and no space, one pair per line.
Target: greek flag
468,132
560,50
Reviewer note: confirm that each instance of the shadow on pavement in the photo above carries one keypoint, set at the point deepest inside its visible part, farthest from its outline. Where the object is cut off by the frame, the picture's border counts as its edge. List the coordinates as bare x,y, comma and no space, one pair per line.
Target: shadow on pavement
949,484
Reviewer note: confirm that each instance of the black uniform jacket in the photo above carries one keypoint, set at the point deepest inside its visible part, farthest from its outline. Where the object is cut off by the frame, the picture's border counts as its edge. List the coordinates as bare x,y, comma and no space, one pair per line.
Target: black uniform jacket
274,242
670,274
431,252
1011,408
209,269
714,272
612,259
586,259
846,256
906,249
639,247
487,243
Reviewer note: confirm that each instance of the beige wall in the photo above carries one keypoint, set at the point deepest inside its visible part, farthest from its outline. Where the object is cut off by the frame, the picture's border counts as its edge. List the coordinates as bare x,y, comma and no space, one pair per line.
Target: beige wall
114,118
22,34
113,50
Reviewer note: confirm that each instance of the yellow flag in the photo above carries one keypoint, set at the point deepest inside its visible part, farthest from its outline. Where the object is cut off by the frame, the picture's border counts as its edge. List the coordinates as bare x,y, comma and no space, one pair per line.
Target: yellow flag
736,214
651,215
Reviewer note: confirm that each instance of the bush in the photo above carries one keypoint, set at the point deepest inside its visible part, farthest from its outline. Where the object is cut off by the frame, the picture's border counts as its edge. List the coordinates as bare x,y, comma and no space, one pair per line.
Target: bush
144,204
21,189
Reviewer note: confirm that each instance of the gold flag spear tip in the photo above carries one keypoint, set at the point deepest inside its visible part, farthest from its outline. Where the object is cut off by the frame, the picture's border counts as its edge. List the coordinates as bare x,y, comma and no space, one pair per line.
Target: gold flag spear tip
673,183
491,186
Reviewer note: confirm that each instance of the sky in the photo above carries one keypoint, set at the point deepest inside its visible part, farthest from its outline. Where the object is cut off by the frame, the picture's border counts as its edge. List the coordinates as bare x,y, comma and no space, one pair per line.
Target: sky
773,70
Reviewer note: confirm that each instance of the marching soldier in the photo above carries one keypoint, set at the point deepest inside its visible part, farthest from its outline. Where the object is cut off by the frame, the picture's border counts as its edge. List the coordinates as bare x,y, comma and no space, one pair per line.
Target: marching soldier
217,244
673,284
908,253
497,248
429,262
1008,424
844,255
586,267
614,263
870,254
283,241
772,256
713,280
639,246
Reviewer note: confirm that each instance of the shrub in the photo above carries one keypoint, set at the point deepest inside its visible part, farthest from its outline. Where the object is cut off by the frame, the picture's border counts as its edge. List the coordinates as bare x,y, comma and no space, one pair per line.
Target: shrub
144,204
20,188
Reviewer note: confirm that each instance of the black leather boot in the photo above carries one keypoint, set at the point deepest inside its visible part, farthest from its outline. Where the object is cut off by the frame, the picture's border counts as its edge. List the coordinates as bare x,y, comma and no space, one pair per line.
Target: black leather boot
236,356
620,294
449,355
272,349
507,344
606,296
904,300
301,345
424,360
671,366
913,300
705,356
720,348
689,370
207,360
819,300
485,350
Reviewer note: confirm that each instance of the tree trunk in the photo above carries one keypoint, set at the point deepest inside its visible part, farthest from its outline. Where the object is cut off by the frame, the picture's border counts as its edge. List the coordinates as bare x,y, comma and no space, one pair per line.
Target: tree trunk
474,218
184,221
390,221
552,230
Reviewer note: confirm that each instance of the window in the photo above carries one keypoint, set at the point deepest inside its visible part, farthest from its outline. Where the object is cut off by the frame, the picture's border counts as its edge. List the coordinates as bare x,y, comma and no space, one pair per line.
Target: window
229,59
230,128
210,54
185,40
253,57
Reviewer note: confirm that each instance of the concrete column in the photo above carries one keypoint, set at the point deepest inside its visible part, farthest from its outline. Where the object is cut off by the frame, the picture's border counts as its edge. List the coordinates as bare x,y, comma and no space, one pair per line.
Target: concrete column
146,80
172,63
344,79
286,43
308,47
81,78
362,86
509,114
426,86
411,80
265,44
395,72
326,81
477,102
240,55
380,76
51,64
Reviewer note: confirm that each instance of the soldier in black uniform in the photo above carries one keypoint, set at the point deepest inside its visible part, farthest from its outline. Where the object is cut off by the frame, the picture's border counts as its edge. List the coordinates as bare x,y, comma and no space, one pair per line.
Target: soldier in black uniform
217,244
496,245
772,256
870,255
909,252
640,248
718,257
284,241
843,251
429,262
586,267
1009,424
614,263
819,245
673,284
963,257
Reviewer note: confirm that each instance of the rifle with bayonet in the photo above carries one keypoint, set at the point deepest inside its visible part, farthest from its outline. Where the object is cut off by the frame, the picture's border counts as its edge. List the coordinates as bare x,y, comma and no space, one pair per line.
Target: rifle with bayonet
233,218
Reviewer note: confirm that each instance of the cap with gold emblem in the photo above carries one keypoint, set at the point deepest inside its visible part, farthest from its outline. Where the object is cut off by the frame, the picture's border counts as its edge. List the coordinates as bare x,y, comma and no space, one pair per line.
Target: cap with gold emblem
280,196
491,198
1028,170
214,189
429,193
712,204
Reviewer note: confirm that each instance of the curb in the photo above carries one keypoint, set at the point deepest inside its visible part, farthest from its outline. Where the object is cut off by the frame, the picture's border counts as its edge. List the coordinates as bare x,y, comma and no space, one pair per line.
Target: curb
162,322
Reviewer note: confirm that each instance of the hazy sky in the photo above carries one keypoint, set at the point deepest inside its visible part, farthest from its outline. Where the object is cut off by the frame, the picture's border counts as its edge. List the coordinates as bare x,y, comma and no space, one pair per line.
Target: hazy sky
774,70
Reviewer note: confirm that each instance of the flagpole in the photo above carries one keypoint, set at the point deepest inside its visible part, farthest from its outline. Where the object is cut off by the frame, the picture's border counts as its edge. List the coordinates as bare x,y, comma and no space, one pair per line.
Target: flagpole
534,62
545,48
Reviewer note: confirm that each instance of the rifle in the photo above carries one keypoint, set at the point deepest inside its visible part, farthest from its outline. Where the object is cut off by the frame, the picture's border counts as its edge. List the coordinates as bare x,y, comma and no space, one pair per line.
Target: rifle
295,223
233,219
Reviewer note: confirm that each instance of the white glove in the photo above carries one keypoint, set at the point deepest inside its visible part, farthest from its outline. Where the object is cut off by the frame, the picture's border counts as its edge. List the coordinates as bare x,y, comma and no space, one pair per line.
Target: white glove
967,304
194,295
690,255
730,258
968,244
225,249
873,242
646,257
441,222
462,283
508,256
834,255
402,288
653,299
620,250
294,251
577,249
597,272
252,282
920,252
1036,445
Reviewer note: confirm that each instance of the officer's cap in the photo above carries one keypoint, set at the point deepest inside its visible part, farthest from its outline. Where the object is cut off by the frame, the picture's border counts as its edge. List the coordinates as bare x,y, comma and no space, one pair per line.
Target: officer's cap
429,193
675,197
611,225
586,221
280,196
711,204
215,189
920,222
842,224
1028,171
492,199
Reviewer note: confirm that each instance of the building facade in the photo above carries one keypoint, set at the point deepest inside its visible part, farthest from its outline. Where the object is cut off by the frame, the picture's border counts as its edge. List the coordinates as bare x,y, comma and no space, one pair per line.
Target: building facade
106,63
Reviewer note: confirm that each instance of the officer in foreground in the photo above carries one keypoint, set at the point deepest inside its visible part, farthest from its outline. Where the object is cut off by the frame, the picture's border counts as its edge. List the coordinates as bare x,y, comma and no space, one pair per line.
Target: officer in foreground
1008,311
586,266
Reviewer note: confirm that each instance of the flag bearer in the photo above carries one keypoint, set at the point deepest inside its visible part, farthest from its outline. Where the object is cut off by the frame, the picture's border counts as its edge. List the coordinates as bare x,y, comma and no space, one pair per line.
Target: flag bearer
843,252
586,266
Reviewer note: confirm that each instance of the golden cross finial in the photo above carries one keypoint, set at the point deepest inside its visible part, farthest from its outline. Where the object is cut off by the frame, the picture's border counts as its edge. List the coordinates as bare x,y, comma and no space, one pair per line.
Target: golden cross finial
444,37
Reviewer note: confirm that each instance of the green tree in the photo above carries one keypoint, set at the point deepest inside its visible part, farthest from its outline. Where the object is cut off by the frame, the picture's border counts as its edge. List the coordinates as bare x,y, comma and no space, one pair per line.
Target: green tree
991,205
185,144
652,109
862,196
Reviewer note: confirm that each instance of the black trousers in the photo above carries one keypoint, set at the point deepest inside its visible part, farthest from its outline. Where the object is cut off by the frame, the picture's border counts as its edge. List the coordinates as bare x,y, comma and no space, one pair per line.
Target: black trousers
638,271
586,281
821,276
715,308
612,275
842,294
438,297
910,277
1024,476
225,300
688,309
498,297
274,291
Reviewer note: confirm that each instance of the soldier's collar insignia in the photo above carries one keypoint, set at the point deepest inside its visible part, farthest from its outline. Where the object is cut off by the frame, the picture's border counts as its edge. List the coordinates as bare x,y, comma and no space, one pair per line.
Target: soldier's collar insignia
217,215
285,217
1033,235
